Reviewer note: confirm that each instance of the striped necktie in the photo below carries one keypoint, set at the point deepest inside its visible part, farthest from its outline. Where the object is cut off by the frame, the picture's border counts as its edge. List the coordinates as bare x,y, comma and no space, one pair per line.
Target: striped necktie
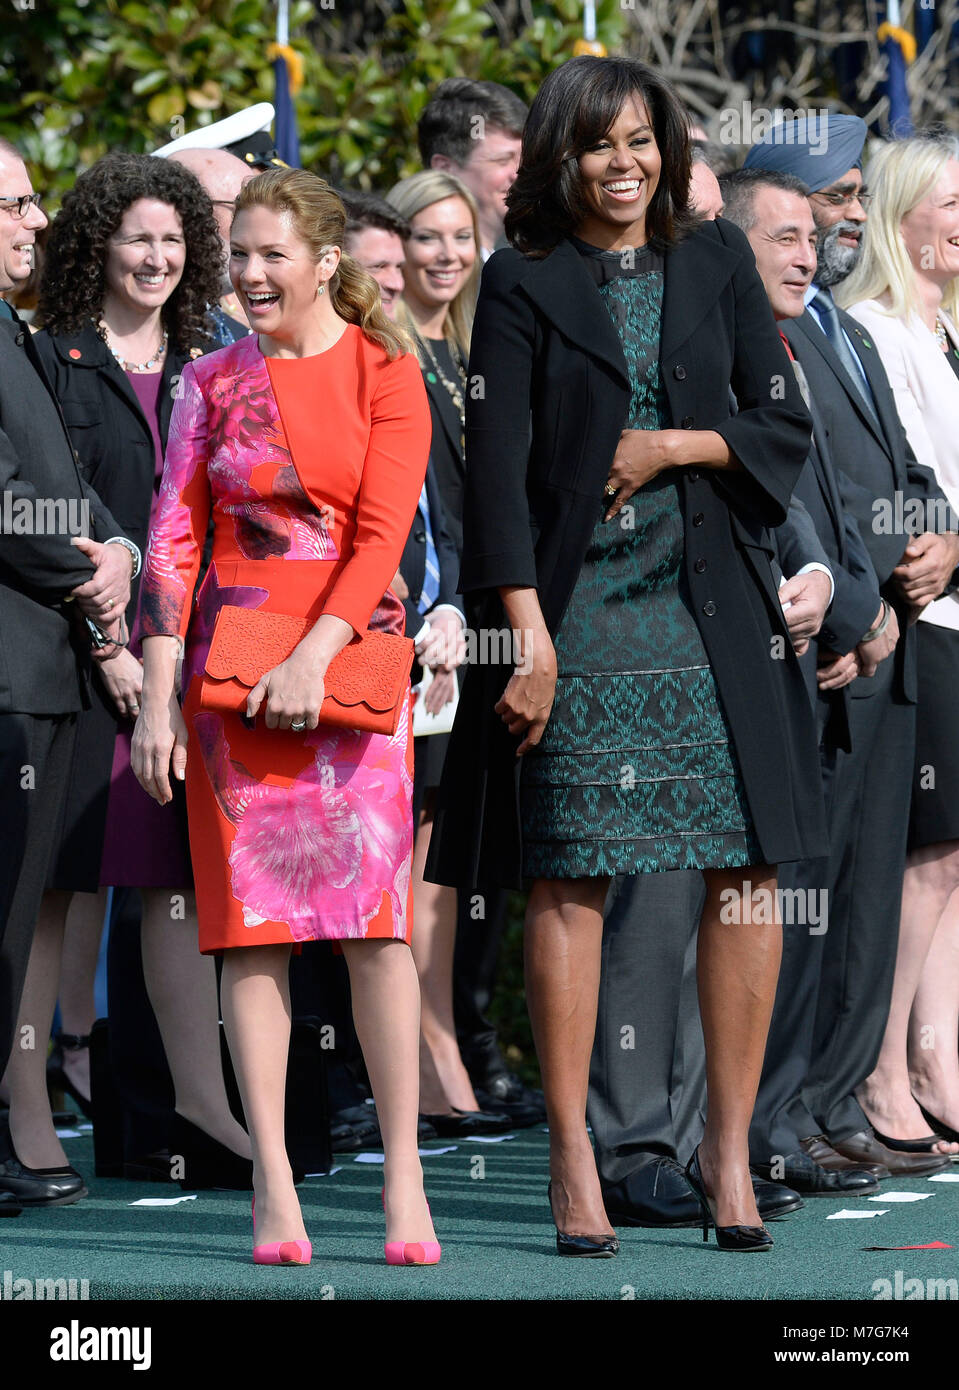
431,577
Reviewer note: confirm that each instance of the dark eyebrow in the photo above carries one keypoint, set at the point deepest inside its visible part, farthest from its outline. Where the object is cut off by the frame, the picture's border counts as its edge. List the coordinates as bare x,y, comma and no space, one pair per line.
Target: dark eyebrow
848,187
786,227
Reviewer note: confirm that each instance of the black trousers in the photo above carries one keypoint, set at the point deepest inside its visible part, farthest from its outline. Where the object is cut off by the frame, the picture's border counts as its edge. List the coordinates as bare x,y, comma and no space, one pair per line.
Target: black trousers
647,1080
35,756
865,876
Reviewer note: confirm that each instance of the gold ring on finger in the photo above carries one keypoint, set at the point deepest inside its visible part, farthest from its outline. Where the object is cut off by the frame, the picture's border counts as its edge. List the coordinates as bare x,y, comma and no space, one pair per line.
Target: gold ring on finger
609,490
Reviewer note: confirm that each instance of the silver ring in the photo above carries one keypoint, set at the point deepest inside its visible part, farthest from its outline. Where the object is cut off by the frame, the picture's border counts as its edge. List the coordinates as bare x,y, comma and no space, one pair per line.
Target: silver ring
298,724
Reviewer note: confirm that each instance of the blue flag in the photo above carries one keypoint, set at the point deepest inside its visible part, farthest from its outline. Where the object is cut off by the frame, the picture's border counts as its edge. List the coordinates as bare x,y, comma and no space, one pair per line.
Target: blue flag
284,127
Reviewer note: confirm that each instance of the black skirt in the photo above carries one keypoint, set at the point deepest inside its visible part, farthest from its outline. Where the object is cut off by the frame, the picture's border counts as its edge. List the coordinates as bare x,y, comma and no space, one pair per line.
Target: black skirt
935,783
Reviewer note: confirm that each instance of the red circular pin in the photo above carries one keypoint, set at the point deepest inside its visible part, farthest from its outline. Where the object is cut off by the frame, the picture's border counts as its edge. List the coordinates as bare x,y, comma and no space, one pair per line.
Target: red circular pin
75,352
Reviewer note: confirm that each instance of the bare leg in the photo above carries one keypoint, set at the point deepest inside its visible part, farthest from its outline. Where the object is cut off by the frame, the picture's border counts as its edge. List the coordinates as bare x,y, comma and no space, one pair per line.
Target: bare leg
563,949
386,1010
256,1014
182,988
31,1124
78,969
932,873
444,1080
934,1024
737,969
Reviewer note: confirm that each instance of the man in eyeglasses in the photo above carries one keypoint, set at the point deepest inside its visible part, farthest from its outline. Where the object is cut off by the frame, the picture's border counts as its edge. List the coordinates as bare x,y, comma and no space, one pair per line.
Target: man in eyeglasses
869,448
44,579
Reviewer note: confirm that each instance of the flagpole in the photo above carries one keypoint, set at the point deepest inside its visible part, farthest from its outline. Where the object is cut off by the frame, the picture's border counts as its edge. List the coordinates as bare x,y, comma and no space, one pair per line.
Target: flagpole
283,22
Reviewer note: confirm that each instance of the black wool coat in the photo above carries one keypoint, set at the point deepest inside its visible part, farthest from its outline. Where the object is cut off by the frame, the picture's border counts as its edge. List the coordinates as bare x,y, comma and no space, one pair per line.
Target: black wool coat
548,399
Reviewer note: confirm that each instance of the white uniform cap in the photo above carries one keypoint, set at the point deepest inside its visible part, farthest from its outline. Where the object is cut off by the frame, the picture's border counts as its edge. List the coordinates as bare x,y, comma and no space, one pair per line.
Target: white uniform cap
240,126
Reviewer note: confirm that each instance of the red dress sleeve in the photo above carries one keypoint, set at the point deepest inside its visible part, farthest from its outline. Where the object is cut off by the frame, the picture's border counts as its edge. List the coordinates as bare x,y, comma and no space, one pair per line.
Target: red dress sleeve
175,545
393,472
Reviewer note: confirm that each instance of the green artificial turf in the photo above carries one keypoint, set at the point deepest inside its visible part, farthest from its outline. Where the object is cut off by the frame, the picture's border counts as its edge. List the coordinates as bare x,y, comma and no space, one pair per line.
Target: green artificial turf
490,1210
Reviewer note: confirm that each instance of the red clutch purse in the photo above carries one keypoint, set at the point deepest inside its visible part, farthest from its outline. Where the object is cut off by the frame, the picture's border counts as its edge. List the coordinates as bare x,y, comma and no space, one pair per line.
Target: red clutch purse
365,682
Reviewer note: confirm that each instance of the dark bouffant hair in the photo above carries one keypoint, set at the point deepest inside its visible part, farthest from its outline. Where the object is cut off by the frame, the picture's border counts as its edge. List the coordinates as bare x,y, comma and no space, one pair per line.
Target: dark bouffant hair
573,110
74,274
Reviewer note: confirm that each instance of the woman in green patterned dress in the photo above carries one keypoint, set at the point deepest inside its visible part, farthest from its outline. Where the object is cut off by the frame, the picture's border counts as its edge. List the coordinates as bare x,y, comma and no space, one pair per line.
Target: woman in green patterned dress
617,510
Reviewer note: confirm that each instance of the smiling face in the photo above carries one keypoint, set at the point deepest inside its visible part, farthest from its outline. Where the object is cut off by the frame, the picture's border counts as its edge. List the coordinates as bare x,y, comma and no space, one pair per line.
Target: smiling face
620,174
488,174
783,238
930,230
840,219
145,256
440,254
273,272
17,234
381,253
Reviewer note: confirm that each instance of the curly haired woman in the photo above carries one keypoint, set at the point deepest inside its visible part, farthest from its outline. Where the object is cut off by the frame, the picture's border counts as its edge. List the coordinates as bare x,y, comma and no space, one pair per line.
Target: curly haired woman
132,262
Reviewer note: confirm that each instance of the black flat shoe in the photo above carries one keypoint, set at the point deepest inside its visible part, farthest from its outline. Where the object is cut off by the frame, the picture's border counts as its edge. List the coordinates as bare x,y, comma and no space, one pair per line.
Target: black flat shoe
738,1238
925,1145
941,1128
39,1187
460,1124
585,1247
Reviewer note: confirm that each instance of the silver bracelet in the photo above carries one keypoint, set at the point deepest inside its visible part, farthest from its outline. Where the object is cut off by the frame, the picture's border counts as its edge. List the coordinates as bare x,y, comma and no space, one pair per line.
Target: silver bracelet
881,626
133,549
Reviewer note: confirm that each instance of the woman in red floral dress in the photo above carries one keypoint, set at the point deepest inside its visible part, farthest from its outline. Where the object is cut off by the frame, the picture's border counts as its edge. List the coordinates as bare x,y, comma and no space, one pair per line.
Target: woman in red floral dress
307,443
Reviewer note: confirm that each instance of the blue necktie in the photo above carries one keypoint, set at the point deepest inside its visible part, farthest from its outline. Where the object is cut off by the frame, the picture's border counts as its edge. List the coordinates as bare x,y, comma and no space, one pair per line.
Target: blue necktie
431,578
833,331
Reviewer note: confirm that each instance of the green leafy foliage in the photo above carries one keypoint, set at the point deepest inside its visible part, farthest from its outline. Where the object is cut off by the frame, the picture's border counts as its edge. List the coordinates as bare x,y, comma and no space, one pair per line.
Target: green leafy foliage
77,80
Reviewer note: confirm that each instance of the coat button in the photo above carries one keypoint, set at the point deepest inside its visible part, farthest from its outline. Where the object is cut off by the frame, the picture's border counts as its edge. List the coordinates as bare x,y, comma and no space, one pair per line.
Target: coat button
19,340
698,519
420,536
679,372
688,422
693,476
699,566
709,608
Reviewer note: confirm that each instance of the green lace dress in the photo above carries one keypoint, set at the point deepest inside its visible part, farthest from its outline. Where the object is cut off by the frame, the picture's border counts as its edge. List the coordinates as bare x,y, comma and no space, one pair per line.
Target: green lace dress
635,771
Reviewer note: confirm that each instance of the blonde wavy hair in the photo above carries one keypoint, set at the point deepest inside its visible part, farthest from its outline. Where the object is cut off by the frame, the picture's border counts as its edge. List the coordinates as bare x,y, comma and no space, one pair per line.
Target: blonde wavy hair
318,218
900,175
411,196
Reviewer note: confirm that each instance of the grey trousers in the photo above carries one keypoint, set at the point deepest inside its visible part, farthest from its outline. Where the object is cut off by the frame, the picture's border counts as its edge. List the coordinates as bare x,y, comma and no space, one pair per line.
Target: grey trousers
647,1082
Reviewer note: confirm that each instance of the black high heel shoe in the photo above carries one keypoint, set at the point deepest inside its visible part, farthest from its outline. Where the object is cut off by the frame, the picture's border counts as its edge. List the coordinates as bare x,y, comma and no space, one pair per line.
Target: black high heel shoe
588,1247
744,1238
939,1127
57,1079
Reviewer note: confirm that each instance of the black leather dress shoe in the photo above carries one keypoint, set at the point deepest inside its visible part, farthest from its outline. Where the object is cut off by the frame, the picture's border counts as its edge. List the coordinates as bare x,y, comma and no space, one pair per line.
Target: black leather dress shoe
654,1194
803,1175
9,1206
40,1187
507,1095
353,1129
460,1124
774,1199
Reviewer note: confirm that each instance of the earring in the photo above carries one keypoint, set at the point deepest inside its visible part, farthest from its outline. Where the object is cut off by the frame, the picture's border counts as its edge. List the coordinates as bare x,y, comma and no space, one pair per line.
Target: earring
320,289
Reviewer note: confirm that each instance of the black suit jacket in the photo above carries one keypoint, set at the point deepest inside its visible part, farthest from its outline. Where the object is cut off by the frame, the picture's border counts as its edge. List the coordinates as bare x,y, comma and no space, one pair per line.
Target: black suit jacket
875,460
413,562
549,393
114,445
42,640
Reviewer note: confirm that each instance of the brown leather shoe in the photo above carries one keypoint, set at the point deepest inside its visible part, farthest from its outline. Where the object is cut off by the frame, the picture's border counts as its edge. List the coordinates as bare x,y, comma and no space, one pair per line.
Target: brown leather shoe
819,1149
864,1147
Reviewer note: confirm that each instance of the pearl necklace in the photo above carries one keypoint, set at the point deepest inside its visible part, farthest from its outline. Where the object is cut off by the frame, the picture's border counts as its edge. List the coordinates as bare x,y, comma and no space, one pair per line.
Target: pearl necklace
942,338
134,366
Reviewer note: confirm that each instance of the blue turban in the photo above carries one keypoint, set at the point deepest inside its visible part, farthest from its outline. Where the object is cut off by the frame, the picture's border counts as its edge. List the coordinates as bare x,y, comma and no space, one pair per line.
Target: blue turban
815,149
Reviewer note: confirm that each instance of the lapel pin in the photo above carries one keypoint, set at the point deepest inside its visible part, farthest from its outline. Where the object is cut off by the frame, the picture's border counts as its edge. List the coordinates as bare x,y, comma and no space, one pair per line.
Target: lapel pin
75,353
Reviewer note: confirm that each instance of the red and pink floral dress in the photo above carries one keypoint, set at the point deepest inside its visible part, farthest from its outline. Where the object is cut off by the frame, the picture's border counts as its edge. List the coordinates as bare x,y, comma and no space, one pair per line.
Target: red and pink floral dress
311,469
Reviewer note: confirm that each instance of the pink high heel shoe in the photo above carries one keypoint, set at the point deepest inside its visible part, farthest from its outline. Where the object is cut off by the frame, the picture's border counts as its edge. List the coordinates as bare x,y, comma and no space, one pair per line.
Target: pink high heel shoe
283,1252
411,1252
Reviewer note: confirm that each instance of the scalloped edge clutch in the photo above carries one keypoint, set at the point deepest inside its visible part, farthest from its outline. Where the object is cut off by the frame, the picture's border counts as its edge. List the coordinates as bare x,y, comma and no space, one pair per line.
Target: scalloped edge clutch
365,682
